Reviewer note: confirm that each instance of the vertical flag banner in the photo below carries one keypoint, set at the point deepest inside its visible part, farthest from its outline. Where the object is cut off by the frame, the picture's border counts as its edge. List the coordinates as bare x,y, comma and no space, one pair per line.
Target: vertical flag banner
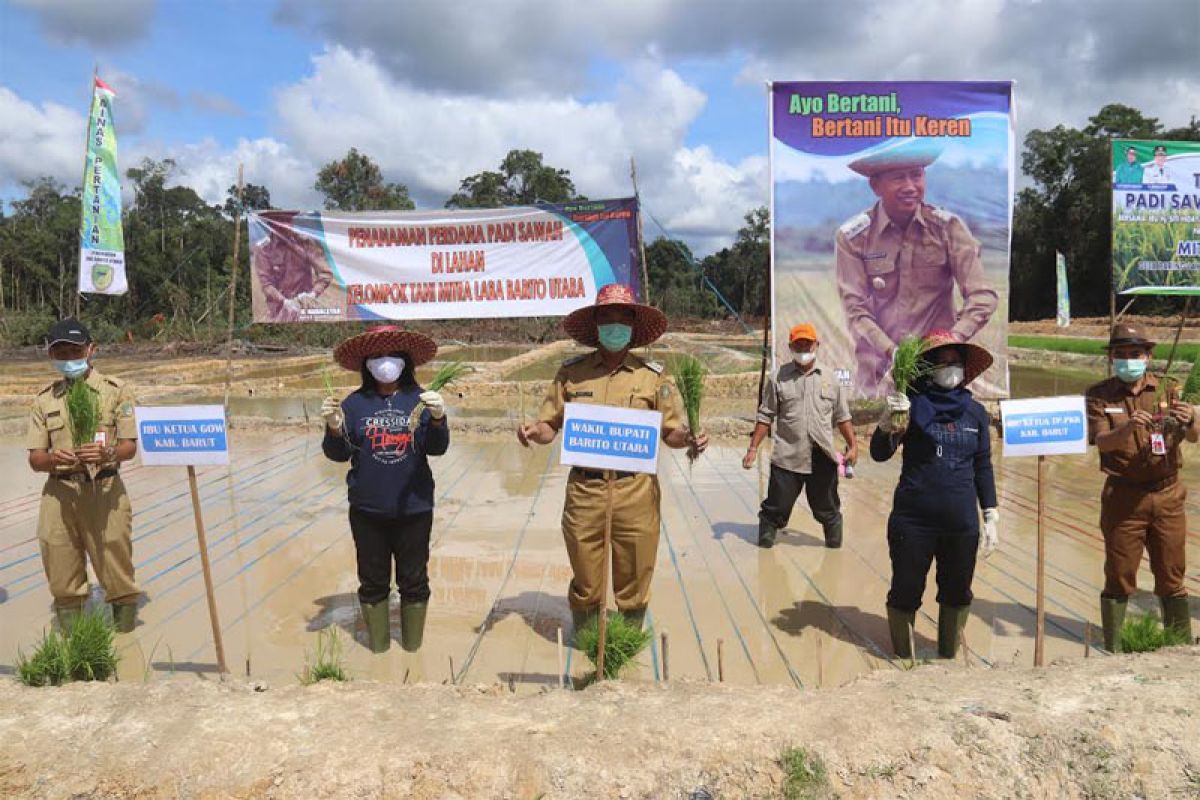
101,243
1156,217
1063,317
891,211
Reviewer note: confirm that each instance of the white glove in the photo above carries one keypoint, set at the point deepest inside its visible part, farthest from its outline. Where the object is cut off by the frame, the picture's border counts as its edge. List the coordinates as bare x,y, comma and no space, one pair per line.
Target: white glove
434,402
292,304
896,403
331,410
989,537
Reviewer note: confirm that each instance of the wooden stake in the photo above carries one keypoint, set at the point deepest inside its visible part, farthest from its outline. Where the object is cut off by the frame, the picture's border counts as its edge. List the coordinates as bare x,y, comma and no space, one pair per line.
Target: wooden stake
453,681
603,621
721,660
912,646
1040,636
820,668
1087,639
561,668
233,275
666,668
208,584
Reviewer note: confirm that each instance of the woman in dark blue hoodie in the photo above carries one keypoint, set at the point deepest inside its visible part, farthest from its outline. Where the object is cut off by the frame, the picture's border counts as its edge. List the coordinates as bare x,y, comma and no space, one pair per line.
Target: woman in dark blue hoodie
945,479
388,441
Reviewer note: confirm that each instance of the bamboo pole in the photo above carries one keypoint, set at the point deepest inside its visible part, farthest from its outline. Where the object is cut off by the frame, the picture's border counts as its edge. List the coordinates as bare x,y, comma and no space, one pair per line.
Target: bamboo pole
721,660
233,273
641,238
1040,636
561,668
207,569
603,621
1087,639
666,663
1187,308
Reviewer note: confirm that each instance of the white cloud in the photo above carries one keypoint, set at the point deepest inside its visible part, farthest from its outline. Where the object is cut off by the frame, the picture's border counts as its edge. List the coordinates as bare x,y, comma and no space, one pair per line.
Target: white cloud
39,140
101,24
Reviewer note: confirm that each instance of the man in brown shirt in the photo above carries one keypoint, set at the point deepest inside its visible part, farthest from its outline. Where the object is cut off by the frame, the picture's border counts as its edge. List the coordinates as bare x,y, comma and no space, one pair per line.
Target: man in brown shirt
899,262
85,510
291,268
612,376
805,403
1138,435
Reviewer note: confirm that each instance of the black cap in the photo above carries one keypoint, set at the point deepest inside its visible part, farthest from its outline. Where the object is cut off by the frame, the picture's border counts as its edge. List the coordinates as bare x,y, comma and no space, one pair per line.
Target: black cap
1160,150
1131,150
68,330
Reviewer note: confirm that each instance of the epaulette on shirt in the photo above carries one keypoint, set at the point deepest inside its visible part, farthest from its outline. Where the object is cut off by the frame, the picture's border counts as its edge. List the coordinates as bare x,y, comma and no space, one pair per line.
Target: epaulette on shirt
856,224
654,366
941,214
49,388
575,359
114,382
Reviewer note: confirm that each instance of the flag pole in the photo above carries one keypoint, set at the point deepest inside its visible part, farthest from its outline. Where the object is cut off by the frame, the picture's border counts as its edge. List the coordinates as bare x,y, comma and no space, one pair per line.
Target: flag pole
233,273
641,238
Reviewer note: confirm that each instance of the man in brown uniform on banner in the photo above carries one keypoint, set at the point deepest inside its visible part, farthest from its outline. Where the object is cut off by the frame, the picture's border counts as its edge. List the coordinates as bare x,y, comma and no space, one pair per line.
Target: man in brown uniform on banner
291,268
612,376
899,261
1142,504
85,510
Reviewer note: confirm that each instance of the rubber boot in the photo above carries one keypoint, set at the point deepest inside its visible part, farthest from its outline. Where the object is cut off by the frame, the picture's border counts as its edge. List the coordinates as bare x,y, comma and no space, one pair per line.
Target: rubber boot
636,617
412,625
66,615
833,535
951,621
766,534
579,619
124,616
378,625
900,624
1112,617
1176,614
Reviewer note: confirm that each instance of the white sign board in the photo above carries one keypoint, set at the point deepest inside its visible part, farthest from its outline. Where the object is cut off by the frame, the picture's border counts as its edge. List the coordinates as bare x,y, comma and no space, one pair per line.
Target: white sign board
180,436
1044,426
607,437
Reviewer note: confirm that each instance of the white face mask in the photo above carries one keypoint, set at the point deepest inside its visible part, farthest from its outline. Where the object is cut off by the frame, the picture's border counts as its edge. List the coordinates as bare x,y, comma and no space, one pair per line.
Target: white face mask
804,359
948,377
385,369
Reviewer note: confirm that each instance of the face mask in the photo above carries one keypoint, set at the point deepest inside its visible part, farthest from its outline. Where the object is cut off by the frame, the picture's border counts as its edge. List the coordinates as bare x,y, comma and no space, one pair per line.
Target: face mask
1130,370
72,369
614,337
385,369
804,359
948,377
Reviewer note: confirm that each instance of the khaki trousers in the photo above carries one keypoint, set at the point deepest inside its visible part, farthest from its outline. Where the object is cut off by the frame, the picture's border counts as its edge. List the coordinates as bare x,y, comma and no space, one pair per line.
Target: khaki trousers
635,531
92,519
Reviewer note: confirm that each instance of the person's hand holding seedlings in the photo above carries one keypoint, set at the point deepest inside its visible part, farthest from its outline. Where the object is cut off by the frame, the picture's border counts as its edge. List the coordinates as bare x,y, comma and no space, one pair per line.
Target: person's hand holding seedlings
436,405
331,410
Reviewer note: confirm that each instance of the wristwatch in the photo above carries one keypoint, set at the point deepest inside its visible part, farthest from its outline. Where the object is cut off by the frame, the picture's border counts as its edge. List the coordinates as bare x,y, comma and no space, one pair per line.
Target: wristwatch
108,455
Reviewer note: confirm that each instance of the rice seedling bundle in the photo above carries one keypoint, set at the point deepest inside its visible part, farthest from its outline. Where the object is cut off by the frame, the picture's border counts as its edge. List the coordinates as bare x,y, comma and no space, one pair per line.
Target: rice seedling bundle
83,652
623,641
446,375
83,407
689,378
908,367
1145,634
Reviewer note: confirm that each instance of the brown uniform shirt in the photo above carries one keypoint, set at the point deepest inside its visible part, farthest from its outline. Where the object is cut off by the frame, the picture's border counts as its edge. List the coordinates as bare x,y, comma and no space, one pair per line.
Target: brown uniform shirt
287,267
806,406
1109,404
50,422
636,384
897,281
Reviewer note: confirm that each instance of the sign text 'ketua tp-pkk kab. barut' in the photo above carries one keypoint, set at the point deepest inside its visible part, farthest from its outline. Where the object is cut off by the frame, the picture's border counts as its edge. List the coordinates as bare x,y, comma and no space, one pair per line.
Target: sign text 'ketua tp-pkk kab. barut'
607,437
182,435
1044,426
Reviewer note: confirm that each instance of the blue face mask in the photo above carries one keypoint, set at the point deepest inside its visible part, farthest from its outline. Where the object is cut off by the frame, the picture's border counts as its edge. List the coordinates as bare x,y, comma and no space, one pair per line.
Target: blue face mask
72,369
1130,370
615,336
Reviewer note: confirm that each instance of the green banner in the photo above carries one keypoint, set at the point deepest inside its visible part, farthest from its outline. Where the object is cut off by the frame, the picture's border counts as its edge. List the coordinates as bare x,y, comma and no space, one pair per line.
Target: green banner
101,243
1156,217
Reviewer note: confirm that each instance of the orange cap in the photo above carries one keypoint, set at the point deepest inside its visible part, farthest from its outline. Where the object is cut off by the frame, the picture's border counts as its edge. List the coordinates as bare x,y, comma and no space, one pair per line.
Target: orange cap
803,331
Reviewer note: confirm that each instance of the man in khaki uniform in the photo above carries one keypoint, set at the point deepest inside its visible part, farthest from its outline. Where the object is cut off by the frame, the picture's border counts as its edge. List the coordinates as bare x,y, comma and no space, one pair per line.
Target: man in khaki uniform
612,376
291,268
85,510
899,261
1142,505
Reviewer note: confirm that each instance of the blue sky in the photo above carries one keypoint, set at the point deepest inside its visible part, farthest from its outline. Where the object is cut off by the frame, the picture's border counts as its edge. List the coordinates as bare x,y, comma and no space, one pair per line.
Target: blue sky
435,91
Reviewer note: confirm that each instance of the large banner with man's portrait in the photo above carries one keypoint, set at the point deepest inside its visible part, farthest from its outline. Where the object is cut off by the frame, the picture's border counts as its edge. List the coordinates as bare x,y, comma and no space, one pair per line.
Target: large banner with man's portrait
522,261
1156,217
891,210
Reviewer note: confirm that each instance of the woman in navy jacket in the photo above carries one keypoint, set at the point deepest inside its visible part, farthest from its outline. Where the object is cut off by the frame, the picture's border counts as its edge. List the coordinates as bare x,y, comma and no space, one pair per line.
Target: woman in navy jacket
379,430
945,478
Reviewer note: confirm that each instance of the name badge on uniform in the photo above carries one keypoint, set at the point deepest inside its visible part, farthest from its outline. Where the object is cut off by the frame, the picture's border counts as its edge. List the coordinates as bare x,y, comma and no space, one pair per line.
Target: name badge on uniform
101,438
1114,410
1158,445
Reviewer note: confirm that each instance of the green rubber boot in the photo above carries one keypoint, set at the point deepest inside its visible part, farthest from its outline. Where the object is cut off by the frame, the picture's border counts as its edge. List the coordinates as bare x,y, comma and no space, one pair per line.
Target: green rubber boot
66,615
951,621
124,616
378,625
1176,614
412,625
833,535
1112,617
580,618
900,625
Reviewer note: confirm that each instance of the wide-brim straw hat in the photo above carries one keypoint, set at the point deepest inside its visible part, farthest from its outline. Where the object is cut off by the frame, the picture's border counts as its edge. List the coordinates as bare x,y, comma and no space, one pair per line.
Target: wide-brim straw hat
648,325
381,340
976,360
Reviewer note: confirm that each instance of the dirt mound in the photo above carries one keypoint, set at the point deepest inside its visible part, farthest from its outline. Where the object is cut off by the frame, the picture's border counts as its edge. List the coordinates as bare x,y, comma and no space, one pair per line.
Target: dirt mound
1098,728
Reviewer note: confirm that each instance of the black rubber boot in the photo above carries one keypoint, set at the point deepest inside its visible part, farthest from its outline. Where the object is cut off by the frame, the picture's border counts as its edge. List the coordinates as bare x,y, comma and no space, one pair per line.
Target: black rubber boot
951,621
833,535
636,617
379,635
1176,614
580,618
1112,617
900,625
124,616
412,625
766,534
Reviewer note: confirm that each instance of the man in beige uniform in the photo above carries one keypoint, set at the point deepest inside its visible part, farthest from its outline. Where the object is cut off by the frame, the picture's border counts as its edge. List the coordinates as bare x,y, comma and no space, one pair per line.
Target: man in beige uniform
899,261
85,510
612,376
291,268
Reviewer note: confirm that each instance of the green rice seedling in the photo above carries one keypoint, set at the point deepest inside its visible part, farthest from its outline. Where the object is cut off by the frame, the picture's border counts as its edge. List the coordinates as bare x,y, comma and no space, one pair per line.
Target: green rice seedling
908,366
1145,634
446,375
804,775
327,379
689,378
326,664
623,641
92,654
1191,387
50,663
83,406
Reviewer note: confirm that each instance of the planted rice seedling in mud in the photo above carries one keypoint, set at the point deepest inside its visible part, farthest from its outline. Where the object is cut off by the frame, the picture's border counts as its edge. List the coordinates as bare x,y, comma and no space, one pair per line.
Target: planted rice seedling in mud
689,378
1145,634
83,406
83,652
326,664
623,641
